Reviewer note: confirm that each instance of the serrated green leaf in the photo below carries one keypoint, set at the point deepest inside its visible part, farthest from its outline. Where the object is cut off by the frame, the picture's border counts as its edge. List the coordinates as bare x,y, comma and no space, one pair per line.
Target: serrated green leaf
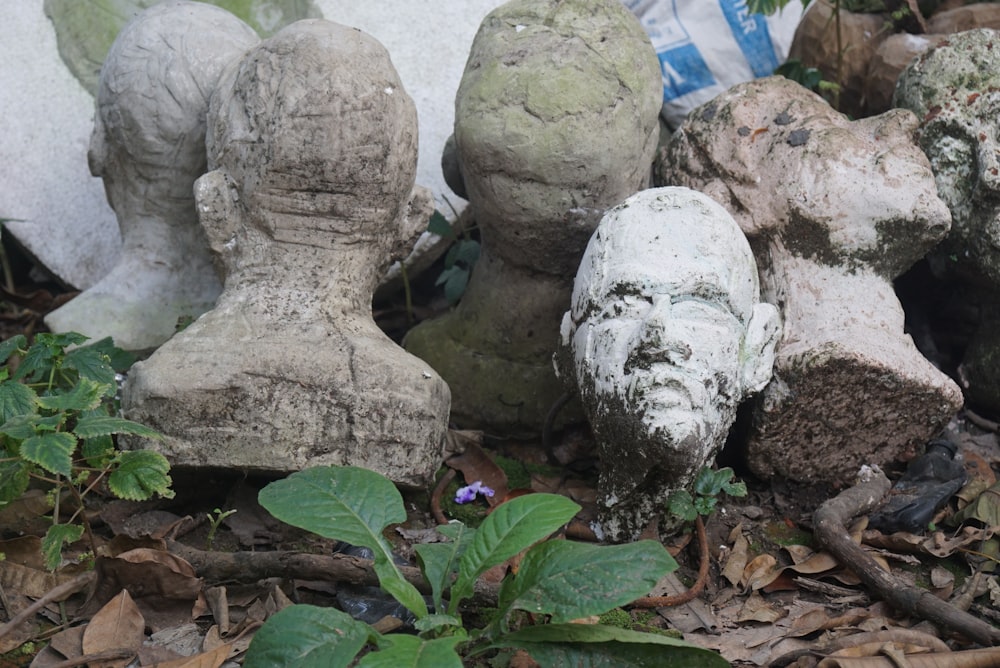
681,505
306,636
439,225
90,363
84,396
351,504
403,651
12,345
511,527
104,425
139,474
54,539
53,451
97,451
13,480
569,580
120,360
598,646
736,489
20,427
705,482
16,399
439,561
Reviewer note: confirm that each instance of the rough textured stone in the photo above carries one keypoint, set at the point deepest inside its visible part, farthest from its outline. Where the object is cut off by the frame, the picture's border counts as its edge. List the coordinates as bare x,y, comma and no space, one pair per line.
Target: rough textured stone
312,141
834,210
148,145
556,120
955,90
665,337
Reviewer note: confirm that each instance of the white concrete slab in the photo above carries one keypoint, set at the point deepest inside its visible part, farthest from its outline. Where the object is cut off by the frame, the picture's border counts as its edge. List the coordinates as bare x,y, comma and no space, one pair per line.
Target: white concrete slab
44,180
429,42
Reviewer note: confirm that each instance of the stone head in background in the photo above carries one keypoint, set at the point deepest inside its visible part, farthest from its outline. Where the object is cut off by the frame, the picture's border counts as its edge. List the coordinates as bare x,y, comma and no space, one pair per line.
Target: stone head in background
555,121
834,210
664,339
312,141
148,145
955,89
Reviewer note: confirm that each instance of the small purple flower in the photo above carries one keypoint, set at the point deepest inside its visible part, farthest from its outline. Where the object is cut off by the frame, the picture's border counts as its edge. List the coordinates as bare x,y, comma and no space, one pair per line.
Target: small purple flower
469,492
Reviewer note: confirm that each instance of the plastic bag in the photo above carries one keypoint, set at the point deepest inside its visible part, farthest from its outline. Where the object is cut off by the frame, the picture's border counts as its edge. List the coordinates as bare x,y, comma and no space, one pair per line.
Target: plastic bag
707,46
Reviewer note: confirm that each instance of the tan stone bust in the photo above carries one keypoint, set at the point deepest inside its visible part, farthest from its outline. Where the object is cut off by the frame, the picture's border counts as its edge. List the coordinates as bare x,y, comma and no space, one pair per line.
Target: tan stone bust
313,148
834,210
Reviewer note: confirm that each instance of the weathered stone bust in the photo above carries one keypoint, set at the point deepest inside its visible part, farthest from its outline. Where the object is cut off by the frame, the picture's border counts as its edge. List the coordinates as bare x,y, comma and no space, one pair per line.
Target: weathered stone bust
312,141
955,89
148,145
834,210
665,338
555,121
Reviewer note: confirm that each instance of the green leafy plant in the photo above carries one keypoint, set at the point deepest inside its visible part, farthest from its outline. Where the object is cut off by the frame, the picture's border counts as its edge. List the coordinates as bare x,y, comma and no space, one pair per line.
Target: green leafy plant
557,580
58,416
215,519
708,486
459,261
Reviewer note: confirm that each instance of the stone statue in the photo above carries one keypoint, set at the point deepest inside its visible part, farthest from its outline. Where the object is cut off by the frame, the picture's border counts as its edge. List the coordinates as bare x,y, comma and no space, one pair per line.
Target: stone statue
955,89
665,337
312,142
148,145
834,210
555,121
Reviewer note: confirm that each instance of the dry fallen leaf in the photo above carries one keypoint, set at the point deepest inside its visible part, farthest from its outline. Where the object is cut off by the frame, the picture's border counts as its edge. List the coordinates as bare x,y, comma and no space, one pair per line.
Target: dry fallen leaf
118,625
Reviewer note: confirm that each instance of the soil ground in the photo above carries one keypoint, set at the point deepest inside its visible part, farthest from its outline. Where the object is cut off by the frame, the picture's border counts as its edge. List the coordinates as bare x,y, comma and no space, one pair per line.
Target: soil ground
765,601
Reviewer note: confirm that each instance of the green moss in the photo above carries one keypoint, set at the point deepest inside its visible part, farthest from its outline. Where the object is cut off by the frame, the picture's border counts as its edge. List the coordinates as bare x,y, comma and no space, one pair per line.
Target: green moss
618,618
783,535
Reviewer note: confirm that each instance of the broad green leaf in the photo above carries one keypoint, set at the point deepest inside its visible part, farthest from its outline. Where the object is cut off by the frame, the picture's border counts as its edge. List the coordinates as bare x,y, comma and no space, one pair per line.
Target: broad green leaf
53,451
439,561
139,474
12,345
403,651
306,636
84,396
454,287
439,225
16,399
511,527
350,504
90,363
681,505
447,274
105,425
597,646
13,480
54,539
569,580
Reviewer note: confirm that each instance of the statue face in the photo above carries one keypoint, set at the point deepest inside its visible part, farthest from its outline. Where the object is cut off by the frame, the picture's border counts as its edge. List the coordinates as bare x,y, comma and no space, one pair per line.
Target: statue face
660,318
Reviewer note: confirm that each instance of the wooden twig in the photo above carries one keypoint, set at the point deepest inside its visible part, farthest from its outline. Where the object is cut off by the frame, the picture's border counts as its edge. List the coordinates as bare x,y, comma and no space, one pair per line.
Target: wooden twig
830,521
695,589
220,567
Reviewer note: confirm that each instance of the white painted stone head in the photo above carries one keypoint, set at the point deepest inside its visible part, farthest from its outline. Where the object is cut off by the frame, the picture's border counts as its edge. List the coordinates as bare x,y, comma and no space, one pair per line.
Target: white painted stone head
665,337
955,89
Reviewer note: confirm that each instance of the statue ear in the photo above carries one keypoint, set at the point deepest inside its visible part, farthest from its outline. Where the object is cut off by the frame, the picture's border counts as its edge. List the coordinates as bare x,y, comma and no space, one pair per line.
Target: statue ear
757,353
215,196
